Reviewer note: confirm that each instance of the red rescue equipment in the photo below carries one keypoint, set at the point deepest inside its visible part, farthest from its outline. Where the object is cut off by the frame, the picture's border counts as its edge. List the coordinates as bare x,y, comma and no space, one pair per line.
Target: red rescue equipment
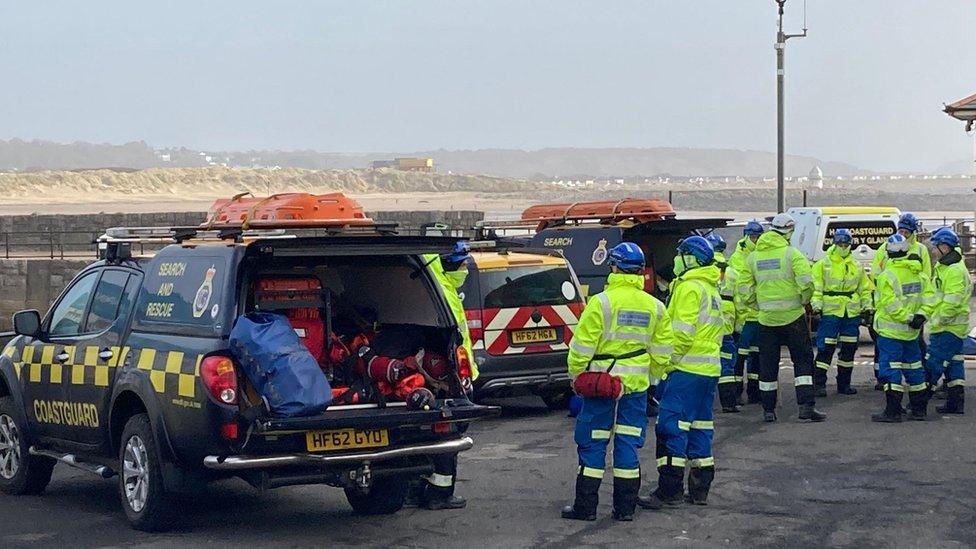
638,210
286,210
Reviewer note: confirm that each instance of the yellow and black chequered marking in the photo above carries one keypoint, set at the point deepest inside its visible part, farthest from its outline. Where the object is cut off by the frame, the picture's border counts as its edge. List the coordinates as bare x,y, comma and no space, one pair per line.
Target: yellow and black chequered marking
170,372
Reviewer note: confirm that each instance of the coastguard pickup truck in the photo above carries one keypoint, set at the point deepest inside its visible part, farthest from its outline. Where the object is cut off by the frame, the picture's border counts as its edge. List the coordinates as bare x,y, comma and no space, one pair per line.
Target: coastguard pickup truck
129,373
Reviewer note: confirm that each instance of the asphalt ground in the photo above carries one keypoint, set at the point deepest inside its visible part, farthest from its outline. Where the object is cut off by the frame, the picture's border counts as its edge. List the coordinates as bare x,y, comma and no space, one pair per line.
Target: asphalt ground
843,483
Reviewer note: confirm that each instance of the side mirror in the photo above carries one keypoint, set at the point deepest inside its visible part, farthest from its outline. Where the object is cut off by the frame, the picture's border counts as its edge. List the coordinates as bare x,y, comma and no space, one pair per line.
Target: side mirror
27,323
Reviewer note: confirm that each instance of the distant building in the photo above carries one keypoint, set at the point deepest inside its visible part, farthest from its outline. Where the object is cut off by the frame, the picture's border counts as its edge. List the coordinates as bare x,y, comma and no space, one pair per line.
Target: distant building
406,164
815,178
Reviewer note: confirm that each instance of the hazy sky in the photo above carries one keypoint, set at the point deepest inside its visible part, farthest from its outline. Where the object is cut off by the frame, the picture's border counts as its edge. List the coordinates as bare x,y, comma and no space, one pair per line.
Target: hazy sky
866,86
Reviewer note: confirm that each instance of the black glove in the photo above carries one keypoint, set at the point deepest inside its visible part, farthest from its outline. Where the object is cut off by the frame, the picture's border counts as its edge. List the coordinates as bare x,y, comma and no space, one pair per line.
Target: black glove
916,322
867,316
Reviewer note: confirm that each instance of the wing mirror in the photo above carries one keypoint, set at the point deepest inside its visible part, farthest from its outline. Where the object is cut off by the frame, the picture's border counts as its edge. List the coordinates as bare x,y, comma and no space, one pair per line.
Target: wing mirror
27,323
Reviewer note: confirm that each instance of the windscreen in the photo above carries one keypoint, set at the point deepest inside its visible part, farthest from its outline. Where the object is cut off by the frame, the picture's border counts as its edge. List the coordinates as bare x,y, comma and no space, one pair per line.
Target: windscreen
873,233
522,286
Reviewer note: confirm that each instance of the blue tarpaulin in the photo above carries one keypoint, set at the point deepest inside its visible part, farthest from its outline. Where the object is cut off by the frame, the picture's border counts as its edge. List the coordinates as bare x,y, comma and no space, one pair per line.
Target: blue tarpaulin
279,366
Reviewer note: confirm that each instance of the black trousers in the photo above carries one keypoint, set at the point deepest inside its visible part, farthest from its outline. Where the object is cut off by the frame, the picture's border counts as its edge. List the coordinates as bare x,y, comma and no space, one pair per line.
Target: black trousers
796,337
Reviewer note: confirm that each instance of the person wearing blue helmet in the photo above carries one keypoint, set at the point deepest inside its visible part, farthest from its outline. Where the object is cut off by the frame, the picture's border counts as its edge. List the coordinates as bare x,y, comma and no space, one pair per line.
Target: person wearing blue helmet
949,324
746,320
685,422
626,333
841,293
728,381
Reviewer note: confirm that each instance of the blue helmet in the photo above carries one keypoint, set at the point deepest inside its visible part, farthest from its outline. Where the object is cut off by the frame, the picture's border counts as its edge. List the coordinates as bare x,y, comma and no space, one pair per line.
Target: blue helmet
716,240
946,236
753,228
843,236
699,248
459,253
908,221
897,246
627,257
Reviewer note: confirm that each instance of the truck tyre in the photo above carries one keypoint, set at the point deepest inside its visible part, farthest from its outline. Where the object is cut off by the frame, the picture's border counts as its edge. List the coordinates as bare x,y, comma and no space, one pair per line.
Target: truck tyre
557,401
145,501
20,472
384,497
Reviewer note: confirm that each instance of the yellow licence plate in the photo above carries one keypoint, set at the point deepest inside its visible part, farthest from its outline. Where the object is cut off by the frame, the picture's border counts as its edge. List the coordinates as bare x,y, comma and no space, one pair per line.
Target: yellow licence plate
345,439
537,335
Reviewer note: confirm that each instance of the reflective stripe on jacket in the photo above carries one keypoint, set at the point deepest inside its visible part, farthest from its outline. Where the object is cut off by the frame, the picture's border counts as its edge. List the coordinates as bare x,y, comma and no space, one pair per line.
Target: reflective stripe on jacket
621,320
726,290
450,283
902,291
953,288
744,311
840,285
696,316
777,279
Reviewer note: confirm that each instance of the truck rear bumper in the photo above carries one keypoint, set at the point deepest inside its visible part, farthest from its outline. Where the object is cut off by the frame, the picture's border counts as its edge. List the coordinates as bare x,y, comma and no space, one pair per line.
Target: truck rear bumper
243,463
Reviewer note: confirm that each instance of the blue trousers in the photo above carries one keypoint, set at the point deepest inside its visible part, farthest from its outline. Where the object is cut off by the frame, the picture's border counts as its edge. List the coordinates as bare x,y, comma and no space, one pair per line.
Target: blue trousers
834,331
601,418
684,423
899,360
728,359
944,355
747,363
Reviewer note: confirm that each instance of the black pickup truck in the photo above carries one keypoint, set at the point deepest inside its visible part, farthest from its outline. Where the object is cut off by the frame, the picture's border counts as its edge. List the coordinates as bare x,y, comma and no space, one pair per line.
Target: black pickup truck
130,375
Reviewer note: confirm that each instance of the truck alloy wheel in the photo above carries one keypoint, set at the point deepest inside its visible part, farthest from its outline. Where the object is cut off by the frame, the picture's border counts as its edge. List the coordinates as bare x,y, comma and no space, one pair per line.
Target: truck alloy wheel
135,473
9,447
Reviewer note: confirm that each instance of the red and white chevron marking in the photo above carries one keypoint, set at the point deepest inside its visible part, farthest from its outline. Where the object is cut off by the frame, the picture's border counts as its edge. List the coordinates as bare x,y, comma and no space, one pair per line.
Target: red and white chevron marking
498,323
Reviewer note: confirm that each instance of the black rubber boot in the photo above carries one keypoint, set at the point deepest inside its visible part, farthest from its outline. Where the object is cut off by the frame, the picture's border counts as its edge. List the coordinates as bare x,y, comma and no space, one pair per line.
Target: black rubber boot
819,391
941,393
844,381
918,403
670,489
726,396
769,416
955,401
587,498
450,502
625,492
699,481
891,413
809,413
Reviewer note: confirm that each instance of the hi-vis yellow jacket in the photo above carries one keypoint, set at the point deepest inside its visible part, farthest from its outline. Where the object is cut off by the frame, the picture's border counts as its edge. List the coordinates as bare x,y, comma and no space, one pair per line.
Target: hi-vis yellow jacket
726,289
840,285
916,248
953,288
696,316
744,311
777,279
902,291
450,284
623,320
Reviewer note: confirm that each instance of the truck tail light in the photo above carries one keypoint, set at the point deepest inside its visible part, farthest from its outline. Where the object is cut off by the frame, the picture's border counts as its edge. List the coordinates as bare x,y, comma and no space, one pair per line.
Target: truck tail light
464,363
229,431
441,428
475,326
220,377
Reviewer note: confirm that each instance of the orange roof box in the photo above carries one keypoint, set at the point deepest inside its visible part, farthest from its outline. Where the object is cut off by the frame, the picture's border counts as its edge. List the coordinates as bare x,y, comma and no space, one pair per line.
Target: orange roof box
287,210
641,210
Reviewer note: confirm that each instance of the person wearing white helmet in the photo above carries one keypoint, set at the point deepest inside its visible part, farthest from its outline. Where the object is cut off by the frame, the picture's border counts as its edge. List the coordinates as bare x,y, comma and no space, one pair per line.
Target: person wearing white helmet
777,278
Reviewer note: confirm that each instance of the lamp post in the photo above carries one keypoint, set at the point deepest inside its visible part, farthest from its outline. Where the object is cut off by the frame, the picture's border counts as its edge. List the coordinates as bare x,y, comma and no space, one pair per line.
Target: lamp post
781,38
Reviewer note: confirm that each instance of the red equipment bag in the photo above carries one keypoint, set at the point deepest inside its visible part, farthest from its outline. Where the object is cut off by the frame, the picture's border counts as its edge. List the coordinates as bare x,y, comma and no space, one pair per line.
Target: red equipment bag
300,299
602,384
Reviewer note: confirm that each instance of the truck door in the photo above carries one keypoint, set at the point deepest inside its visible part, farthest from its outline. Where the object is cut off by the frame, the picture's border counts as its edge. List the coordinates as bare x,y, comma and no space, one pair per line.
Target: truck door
44,376
91,355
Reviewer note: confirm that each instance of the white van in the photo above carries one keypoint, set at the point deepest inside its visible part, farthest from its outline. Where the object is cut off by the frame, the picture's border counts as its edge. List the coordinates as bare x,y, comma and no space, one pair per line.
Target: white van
869,225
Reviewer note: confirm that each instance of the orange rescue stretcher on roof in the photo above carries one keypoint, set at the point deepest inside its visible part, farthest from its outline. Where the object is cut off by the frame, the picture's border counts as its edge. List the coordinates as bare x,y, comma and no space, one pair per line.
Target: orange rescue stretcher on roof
286,210
639,210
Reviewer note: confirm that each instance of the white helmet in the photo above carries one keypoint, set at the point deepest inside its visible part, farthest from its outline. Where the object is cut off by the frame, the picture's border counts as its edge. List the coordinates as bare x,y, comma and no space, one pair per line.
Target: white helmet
783,223
897,245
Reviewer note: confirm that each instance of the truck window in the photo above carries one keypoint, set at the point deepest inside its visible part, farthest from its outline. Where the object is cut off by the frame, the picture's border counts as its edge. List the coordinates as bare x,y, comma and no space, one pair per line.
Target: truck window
873,233
67,317
525,286
182,290
105,305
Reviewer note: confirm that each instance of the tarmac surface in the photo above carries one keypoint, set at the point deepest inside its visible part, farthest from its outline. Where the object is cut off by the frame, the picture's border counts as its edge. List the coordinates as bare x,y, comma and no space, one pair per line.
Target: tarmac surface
843,483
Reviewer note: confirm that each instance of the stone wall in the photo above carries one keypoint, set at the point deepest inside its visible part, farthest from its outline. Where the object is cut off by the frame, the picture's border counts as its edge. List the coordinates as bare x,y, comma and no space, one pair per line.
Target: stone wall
33,284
